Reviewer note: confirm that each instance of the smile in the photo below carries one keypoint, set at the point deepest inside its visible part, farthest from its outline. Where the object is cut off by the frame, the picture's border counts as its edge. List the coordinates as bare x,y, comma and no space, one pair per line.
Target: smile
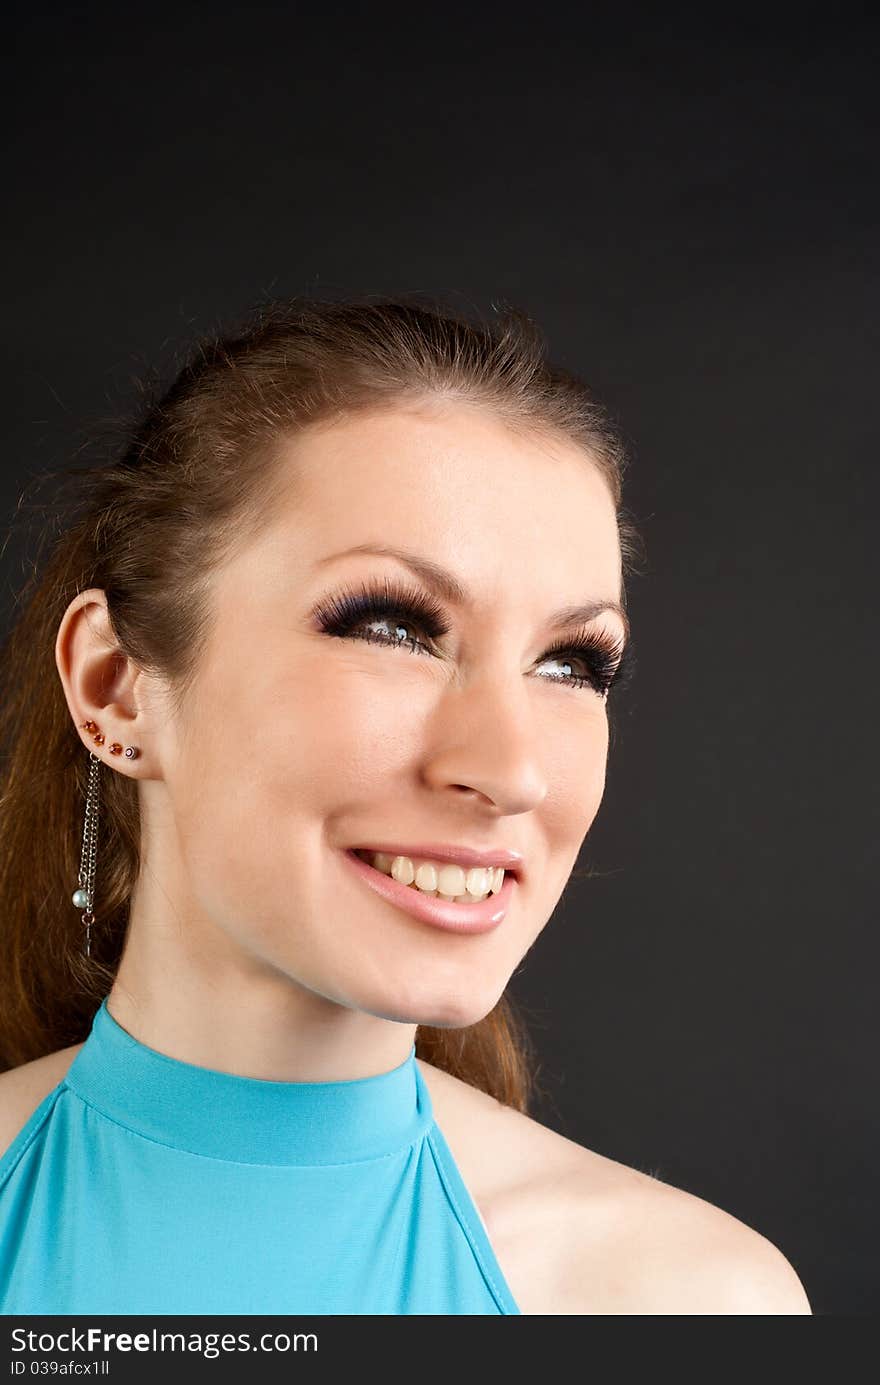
439,878
475,913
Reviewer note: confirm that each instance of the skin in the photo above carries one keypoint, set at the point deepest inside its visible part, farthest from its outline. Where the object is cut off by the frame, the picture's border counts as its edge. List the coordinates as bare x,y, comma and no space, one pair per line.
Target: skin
252,948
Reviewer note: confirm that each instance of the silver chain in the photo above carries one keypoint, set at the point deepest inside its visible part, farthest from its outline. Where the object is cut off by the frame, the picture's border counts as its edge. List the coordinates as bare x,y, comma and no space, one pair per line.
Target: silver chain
90,846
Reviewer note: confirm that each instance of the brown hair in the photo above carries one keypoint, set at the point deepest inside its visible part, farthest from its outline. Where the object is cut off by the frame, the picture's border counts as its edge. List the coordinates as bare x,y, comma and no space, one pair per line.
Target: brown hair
194,477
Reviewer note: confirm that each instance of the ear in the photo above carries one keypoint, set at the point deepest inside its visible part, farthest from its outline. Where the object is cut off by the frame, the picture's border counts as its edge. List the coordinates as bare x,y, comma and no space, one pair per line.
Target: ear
100,685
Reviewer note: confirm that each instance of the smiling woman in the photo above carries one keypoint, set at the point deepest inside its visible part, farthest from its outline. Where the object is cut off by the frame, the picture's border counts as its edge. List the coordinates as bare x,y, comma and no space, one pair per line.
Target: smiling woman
352,603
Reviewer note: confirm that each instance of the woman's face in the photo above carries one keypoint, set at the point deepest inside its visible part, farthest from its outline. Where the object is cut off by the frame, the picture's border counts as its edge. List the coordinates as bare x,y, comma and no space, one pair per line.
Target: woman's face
296,744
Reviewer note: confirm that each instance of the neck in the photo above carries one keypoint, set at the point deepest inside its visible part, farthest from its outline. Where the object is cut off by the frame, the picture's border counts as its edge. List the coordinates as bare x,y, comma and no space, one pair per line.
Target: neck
216,1007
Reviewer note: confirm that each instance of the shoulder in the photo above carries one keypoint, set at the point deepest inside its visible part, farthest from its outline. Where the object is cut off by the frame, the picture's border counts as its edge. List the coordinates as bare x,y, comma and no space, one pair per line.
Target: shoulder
578,1233
662,1250
22,1089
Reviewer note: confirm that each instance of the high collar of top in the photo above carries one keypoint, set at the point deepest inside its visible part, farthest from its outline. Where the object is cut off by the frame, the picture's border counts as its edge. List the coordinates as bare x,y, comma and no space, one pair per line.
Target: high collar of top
247,1119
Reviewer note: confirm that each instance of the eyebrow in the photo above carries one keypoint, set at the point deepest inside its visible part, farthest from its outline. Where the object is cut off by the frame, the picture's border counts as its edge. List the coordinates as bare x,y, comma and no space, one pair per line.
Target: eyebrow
445,584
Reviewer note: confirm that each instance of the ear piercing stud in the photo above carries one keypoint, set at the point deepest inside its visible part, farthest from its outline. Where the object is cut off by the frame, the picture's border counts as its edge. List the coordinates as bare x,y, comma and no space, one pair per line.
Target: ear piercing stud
115,748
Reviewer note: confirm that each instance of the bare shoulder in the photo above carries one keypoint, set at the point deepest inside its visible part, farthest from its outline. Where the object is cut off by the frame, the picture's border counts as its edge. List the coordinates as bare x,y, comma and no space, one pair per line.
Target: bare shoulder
662,1250
578,1233
23,1088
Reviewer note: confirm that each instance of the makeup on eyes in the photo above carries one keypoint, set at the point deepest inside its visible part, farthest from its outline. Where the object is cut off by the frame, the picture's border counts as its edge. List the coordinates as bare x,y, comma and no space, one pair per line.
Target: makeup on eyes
607,658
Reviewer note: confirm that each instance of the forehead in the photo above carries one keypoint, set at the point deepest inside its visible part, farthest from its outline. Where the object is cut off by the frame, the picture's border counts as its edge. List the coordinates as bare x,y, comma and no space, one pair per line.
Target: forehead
460,486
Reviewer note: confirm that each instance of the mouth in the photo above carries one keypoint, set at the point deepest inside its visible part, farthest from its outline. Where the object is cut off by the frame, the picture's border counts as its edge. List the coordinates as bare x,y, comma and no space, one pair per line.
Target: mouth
472,900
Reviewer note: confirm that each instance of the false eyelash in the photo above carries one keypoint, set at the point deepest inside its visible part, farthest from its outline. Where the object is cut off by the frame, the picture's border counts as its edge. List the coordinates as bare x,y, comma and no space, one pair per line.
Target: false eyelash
376,600
610,659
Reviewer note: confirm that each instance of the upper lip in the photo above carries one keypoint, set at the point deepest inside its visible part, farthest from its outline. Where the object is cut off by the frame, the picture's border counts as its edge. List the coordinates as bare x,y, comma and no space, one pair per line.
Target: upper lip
458,855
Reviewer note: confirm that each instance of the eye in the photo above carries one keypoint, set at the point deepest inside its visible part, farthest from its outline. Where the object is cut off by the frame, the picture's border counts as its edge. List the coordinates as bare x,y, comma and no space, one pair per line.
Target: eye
607,659
397,624
353,615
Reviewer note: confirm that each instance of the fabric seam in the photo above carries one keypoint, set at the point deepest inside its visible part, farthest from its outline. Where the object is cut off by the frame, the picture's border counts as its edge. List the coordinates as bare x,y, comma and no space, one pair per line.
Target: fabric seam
48,1102
241,1163
465,1224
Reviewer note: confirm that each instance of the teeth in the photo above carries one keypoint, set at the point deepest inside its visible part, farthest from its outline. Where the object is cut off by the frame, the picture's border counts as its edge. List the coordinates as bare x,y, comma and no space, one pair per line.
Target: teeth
439,878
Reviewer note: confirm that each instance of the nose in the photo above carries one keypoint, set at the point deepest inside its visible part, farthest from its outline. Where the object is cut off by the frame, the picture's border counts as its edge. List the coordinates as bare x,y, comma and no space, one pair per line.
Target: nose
483,741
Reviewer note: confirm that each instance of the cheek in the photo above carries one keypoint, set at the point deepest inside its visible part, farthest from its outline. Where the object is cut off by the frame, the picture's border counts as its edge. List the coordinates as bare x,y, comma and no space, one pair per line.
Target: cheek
341,733
261,775
576,770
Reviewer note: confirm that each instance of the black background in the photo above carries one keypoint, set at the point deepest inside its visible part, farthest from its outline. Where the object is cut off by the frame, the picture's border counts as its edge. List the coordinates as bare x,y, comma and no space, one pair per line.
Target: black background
689,207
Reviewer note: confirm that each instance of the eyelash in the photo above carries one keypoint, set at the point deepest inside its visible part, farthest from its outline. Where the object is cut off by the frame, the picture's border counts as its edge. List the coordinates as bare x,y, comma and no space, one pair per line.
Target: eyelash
611,666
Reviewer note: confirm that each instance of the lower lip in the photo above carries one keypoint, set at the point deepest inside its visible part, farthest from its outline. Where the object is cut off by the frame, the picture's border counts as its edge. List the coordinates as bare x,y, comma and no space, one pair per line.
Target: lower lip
455,918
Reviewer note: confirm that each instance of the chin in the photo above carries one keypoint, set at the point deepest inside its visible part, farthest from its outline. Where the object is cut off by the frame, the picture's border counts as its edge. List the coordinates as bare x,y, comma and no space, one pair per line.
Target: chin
456,1016
442,1011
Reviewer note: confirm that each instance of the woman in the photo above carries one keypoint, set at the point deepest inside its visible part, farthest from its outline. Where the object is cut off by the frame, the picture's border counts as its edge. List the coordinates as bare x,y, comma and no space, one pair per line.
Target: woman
334,643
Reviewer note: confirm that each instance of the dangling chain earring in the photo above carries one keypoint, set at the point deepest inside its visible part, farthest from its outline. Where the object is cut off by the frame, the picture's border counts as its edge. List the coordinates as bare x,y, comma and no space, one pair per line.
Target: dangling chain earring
84,897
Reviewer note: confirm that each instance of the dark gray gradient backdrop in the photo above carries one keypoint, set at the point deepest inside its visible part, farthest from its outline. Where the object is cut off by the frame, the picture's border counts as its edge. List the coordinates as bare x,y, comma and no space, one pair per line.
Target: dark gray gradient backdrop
692,216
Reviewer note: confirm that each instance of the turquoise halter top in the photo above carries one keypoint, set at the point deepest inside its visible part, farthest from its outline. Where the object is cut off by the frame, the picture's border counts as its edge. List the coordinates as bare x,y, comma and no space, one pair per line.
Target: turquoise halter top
143,1184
